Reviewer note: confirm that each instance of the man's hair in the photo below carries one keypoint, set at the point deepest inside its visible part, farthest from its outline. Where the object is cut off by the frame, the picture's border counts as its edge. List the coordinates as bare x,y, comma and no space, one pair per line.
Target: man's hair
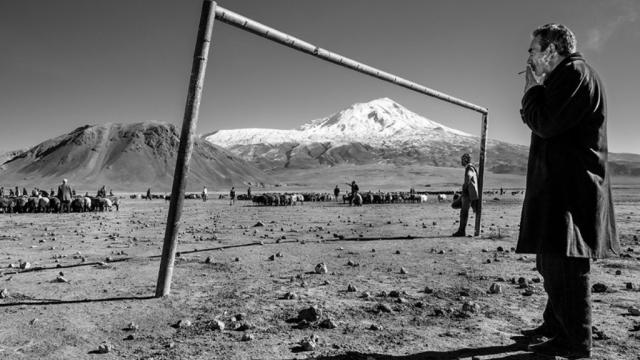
557,34
466,157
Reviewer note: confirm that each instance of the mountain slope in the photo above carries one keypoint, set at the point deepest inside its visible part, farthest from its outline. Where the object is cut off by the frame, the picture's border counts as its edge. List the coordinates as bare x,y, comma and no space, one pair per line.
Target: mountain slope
125,156
379,131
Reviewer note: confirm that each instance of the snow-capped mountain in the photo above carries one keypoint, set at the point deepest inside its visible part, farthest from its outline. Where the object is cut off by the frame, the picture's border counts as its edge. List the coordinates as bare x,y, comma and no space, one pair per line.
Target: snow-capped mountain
378,131
381,122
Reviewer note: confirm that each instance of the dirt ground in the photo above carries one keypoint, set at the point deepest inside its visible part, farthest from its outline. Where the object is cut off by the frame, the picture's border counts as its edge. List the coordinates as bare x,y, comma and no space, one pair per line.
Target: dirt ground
91,278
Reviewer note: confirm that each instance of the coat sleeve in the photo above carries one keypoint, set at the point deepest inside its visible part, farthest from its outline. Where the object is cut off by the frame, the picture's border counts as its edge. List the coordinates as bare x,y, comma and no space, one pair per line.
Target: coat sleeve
552,109
473,185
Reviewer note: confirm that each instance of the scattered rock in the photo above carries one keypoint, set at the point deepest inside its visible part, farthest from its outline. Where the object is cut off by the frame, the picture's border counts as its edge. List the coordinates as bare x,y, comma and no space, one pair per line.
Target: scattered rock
208,260
384,308
310,314
470,307
351,288
365,295
376,327
272,257
4,294
528,292
217,325
633,311
495,288
291,296
258,224
599,288
184,323
630,286
428,290
598,334
352,263
247,337
618,272
132,327
25,265
61,279
310,343
328,323
403,271
104,348
321,269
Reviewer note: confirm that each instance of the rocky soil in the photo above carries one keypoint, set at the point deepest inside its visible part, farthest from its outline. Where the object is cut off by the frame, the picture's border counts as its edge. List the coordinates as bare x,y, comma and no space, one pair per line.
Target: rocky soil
317,281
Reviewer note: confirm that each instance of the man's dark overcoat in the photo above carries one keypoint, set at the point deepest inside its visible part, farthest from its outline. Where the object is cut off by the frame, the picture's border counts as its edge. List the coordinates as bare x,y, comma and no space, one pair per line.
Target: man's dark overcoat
568,209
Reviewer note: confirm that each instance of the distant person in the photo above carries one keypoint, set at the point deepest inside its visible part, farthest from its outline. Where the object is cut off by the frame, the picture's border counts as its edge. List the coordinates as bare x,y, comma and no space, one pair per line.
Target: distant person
102,192
52,193
149,194
1,191
64,195
249,192
232,196
10,192
469,196
336,192
354,191
204,193
111,192
24,192
567,214
17,191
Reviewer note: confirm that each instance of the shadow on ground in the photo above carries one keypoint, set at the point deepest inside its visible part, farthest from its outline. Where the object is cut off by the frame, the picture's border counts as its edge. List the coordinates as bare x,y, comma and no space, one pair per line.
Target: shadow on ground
496,351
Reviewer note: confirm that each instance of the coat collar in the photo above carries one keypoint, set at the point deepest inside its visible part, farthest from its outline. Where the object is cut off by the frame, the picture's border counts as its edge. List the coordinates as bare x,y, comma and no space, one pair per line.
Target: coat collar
576,56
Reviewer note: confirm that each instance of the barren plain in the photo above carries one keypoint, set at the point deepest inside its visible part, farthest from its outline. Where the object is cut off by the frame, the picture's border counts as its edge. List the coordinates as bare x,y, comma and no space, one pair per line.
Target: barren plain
396,287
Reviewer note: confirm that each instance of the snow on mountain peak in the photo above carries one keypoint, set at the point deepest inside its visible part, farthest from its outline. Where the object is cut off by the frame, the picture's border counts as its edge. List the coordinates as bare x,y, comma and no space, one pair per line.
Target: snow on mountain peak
375,122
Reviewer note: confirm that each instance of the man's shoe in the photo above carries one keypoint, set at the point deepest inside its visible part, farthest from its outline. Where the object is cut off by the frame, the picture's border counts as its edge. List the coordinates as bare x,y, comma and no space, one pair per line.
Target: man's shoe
540,331
555,347
458,234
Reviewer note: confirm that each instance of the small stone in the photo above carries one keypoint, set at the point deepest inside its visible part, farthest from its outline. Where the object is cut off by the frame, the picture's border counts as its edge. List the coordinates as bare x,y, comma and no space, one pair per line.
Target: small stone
184,323
61,279
25,265
384,308
428,290
279,254
365,295
132,327
351,288
328,324
104,348
618,272
352,263
321,269
4,294
272,257
634,311
599,288
310,314
310,343
375,327
290,296
217,325
208,260
528,292
470,307
258,224
394,293
403,271
500,249
247,337
130,337
495,288
630,286
398,252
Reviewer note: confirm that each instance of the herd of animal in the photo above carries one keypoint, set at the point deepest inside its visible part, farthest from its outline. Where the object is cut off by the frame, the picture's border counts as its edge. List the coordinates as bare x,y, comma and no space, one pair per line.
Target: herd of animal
44,203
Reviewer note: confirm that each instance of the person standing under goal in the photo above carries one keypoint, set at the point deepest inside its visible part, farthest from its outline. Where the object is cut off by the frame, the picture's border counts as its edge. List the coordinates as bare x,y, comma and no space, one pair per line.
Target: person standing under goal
469,196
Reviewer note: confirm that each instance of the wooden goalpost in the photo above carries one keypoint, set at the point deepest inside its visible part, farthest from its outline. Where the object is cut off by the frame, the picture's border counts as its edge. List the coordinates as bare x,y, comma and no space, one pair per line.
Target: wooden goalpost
211,11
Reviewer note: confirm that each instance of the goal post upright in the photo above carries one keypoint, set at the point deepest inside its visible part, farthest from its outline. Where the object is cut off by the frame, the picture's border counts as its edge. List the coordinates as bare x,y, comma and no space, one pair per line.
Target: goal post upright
185,149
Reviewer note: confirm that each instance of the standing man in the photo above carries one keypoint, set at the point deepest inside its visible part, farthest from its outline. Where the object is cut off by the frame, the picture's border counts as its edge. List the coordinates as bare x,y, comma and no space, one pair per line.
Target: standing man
567,215
249,192
204,193
336,192
232,196
469,197
64,194
354,191
149,194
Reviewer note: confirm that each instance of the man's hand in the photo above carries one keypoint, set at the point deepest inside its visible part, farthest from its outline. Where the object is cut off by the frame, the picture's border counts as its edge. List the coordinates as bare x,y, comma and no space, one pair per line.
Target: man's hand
531,79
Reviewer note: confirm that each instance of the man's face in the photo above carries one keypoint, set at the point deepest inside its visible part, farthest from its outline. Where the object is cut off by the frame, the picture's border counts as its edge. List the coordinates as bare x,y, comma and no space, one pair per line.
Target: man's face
539,60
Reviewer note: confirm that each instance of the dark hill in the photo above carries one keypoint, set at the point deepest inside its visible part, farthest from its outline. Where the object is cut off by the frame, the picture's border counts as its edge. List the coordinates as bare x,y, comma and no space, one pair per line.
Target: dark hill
129,157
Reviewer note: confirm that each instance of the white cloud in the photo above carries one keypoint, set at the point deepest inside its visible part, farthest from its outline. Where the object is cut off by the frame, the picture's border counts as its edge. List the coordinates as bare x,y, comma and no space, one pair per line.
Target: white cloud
598,36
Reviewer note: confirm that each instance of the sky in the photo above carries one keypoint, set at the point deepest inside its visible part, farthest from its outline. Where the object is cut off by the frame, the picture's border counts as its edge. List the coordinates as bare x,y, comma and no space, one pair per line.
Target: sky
68,63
